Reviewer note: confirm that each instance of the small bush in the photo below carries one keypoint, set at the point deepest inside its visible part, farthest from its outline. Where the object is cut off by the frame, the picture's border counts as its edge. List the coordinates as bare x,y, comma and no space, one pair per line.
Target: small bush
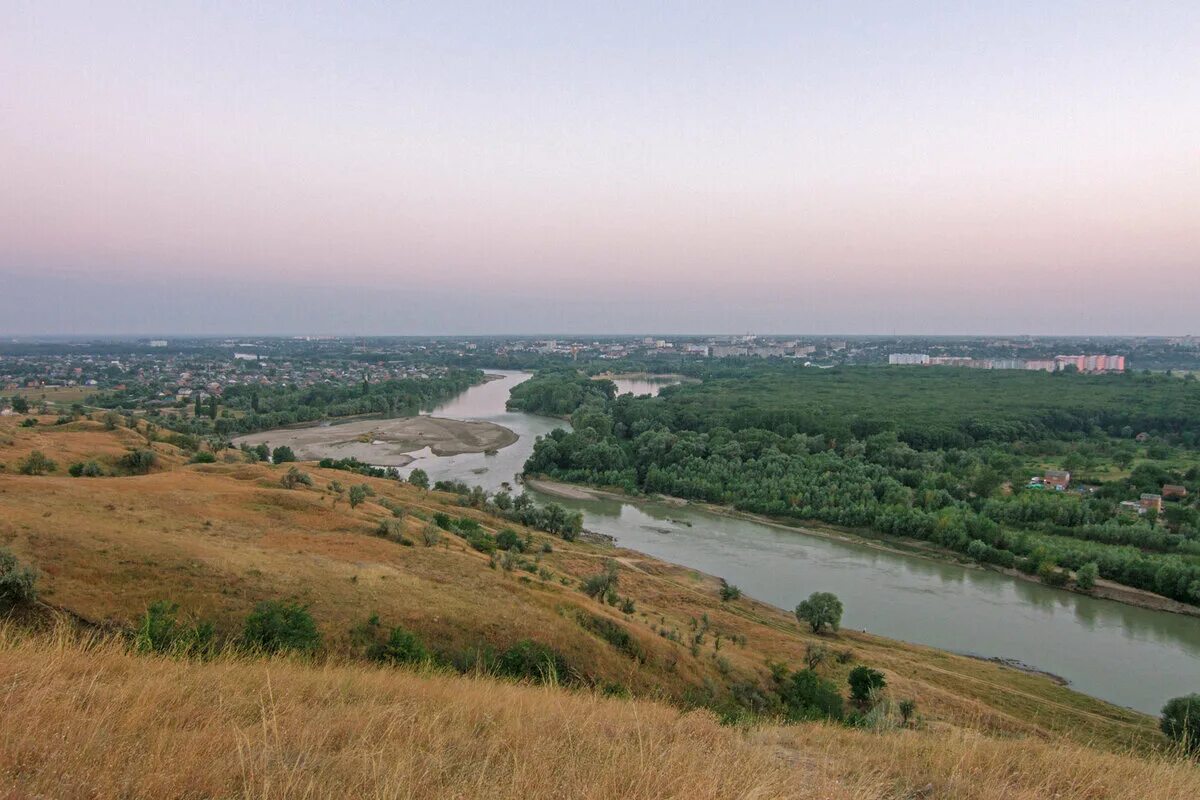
729,592
530,660
806,695
17,583
815,655
431,535
481,541
29,422
1180,722
401,647
508,539
92,469
36,463
466,525
276,627
390,528
603,583
864,681
908,710
139,462
1085,576
358,493
282,455
203,457
294,478
161,632
1051,575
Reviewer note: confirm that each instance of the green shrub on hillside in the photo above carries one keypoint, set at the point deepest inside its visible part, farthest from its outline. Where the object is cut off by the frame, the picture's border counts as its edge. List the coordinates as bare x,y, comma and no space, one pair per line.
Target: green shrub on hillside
863,681
294,478
400,647
604,582
806,695
276,627
17,582
1181,722
530,660
139,462
161,632
36,463
508,539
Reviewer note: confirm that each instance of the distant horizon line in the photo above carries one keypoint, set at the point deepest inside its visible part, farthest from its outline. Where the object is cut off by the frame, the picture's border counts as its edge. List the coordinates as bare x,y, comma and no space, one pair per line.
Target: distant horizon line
564,335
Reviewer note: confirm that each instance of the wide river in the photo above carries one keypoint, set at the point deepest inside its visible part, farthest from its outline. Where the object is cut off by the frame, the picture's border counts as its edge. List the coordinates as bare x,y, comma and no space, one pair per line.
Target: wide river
1126,655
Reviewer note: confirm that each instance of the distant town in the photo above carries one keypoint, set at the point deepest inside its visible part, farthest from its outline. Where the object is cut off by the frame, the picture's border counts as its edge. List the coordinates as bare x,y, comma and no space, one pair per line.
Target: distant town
1079,363
183,369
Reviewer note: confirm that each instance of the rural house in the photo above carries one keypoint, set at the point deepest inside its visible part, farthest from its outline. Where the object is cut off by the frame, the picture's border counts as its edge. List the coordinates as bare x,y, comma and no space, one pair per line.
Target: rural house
1058,480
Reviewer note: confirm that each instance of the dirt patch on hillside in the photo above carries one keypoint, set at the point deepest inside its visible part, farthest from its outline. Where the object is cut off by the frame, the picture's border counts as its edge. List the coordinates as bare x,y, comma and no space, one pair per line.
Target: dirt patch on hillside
386,442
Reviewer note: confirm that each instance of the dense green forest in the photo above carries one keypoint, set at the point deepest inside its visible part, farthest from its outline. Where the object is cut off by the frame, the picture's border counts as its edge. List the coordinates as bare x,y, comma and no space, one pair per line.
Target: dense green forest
244,408
941,455
558,392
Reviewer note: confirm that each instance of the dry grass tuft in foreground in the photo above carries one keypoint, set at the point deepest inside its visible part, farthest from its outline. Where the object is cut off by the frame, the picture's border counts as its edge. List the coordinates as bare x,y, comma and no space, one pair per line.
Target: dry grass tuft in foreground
90,720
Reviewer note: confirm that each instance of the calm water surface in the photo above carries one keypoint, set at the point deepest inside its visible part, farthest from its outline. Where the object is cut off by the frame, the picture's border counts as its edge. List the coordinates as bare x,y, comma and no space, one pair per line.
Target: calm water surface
643,384
1126,655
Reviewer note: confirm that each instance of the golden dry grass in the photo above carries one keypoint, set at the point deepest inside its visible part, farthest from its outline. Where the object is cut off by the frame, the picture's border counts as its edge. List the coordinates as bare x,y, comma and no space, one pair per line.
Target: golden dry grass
219,538
91,721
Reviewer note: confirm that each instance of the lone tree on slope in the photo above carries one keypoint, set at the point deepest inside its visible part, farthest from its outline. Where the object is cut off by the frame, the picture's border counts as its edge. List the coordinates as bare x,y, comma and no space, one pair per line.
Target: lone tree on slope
821,610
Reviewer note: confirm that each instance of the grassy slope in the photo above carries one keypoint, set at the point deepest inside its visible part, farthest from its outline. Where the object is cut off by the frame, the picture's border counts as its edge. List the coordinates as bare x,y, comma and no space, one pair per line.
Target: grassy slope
218,538
83,722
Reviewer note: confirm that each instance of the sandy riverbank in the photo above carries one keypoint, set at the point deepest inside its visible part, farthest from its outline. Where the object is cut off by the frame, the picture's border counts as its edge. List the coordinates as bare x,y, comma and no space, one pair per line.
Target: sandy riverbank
1104,589
386,442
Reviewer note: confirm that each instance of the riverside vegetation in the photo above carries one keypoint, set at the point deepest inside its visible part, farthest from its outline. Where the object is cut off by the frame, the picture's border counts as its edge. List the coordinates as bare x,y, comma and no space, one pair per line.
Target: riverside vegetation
938,455
245,629
245,408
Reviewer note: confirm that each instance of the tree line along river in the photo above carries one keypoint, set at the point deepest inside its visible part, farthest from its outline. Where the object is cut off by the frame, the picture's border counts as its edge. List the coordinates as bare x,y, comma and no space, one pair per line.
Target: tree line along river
1126,655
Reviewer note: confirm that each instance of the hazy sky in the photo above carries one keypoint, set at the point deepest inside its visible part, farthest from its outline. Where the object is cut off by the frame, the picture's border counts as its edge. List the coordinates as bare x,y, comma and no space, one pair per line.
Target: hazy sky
870,167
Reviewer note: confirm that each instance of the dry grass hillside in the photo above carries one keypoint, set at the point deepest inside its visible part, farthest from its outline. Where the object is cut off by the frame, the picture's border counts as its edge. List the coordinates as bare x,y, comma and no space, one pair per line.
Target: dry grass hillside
80,721
218,538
